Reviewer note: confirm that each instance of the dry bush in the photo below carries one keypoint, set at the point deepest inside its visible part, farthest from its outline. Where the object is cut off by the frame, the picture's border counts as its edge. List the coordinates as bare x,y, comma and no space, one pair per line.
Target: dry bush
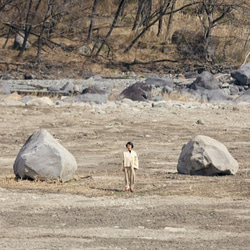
233,35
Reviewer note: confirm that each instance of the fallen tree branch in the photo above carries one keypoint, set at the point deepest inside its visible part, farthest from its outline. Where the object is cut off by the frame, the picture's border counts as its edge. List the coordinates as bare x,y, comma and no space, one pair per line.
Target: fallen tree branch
135,62
12,63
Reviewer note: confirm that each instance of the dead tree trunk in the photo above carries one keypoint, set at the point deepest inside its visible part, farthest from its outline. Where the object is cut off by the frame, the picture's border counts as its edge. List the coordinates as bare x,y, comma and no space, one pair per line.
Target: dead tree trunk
122,2
155,19
26,30
92,20
170,20
143,13
28,25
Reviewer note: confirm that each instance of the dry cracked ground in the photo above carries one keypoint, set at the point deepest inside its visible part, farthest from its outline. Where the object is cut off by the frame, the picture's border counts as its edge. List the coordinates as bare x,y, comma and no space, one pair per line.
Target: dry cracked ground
167,211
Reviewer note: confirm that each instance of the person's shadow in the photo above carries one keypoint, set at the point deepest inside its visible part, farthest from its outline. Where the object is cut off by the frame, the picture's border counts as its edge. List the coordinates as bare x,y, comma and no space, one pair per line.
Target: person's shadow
110,190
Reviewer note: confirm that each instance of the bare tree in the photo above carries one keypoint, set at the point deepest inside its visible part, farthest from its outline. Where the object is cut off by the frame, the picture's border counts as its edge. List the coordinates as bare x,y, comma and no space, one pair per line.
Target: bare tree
211,13
119,9
30,15
53,11
156,16
143,13
170,20
4,3
92,19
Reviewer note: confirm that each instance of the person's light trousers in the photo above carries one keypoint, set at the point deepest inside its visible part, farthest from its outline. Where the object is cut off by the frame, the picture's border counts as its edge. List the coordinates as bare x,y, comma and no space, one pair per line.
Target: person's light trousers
129,177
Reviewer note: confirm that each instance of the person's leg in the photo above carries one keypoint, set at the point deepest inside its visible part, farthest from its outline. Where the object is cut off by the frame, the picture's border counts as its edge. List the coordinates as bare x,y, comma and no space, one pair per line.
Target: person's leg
132,179
126,174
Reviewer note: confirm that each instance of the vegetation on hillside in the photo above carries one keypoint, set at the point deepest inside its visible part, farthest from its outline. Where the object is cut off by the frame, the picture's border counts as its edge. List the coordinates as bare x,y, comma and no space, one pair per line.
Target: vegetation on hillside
124,35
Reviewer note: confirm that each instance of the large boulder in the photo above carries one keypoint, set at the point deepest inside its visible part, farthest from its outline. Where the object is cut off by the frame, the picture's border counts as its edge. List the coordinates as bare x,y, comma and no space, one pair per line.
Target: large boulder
242,75
206,80
44,158
203,155
139,91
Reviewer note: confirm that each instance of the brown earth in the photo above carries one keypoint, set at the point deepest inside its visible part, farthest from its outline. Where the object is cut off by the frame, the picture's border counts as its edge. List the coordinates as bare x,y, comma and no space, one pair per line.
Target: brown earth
167,210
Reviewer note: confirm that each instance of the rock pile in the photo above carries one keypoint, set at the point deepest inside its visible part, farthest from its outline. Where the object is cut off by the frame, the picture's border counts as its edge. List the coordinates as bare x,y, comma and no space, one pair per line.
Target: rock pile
205,87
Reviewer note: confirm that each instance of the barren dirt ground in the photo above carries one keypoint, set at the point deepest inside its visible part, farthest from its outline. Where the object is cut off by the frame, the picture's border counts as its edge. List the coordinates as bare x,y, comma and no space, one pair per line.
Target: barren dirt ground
167,210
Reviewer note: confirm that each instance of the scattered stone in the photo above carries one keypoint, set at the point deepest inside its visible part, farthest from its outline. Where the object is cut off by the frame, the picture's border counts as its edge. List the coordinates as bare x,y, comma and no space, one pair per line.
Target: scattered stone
53,89
159,105
206,81
203,155
139,91
200,122
167,90
68,88
191,74
84,50
225,85
44,158
242,75
28,76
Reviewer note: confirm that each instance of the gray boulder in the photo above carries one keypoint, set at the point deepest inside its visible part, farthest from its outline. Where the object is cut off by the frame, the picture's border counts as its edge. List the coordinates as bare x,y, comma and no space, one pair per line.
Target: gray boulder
203,155
206,80
44,158
242,75
139,91
68,88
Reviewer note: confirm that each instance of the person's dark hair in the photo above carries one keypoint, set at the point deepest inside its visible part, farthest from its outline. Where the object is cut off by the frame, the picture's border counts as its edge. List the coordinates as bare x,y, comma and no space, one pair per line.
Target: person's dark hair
130,143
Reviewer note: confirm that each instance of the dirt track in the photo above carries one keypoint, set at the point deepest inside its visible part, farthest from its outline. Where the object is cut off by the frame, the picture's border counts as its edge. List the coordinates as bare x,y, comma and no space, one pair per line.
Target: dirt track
167,211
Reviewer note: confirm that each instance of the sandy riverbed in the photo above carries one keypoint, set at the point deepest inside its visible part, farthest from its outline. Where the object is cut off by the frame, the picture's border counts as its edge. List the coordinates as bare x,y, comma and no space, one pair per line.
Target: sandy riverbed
167,211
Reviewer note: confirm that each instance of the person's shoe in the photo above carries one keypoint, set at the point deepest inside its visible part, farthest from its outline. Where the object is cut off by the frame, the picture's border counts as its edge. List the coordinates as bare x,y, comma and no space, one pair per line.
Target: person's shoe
127,190
131,190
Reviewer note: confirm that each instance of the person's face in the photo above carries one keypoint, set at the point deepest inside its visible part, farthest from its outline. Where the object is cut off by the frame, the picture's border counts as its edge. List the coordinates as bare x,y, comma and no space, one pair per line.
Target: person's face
129,147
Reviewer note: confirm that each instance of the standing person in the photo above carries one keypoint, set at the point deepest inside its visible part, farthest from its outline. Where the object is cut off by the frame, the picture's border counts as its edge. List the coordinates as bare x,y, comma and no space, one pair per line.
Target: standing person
130,166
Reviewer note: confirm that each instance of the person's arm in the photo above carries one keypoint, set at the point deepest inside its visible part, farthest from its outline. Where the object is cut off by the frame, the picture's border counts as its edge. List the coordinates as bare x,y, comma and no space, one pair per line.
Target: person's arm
136,161
123,163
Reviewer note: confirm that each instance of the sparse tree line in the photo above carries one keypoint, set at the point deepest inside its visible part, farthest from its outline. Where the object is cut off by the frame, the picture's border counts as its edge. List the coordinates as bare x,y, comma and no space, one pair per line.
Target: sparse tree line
81,21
